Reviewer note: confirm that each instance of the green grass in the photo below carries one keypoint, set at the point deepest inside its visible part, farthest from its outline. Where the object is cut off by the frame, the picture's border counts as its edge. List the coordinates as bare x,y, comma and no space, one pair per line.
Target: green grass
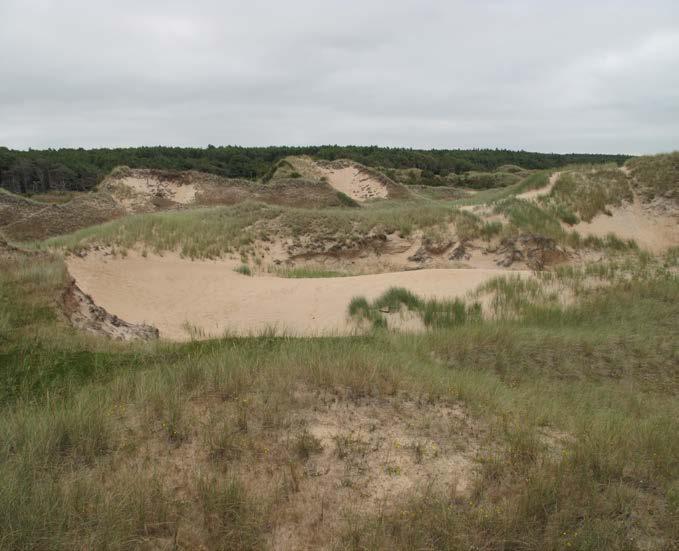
213,232
536,180
302,272
656,176
484,180
395,297
589,191
527,217
604,372
198,233
235,518
564,214
433,313
568,379
346,200
243,269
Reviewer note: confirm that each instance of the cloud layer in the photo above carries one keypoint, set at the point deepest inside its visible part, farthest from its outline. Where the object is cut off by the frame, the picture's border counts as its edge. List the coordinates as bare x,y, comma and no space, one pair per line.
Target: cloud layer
550,76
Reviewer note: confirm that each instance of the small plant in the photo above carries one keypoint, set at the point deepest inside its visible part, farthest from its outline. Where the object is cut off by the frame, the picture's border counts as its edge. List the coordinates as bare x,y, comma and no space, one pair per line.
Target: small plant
294,476
395,297
225,443
173,419
243,269
242,418
419,451
359,308
233,518
568,217
393,470
490,229
194,331
347,445
306,444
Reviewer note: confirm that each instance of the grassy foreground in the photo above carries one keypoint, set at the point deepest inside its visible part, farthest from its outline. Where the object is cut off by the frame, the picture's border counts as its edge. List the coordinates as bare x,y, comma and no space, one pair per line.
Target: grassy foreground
111,446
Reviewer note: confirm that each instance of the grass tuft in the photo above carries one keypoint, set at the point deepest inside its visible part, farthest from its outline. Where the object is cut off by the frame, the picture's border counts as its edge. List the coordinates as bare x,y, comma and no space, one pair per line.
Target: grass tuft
243,269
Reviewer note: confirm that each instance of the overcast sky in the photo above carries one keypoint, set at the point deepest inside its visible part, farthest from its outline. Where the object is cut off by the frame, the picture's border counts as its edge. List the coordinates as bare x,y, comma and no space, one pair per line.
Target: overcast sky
557,75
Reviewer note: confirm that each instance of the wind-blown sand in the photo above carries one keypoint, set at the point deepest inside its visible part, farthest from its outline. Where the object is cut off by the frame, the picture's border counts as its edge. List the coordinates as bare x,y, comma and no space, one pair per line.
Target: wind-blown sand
169,291
356,184
654,233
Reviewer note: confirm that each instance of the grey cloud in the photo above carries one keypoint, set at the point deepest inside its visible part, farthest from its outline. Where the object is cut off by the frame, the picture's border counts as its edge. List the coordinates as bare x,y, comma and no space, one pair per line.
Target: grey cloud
549,76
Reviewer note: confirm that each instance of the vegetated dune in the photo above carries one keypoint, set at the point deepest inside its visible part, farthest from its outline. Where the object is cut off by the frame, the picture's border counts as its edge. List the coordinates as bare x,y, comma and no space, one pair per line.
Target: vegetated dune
618,202
355,184
169,292
143,190
359,182
130,191
289,192
440,193
22,219
384,441
356,181
540,192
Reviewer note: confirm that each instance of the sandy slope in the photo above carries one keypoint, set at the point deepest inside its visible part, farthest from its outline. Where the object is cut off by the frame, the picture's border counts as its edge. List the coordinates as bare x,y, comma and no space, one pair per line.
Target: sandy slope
357,185
169,291
654,233
150,187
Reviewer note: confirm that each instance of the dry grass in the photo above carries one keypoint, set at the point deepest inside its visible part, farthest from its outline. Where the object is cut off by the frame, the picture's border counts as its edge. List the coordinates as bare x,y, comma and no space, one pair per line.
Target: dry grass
210,233
656,176
547,423
23,219
589,191
566,415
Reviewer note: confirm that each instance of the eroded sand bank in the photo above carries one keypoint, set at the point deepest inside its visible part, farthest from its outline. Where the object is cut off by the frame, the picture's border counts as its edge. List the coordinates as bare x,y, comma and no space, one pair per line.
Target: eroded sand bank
654,233
354,183
169,291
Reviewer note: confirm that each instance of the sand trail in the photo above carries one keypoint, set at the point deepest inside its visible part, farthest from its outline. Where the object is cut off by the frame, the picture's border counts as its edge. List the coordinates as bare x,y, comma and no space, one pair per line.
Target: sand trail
534,194
169,291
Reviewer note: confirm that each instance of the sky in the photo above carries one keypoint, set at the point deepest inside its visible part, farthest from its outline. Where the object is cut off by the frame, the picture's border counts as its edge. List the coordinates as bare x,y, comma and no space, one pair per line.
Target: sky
540,75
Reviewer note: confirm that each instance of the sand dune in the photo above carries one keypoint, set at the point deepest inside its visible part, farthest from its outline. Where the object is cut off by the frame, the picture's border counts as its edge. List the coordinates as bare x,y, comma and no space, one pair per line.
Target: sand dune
169,291
654,233
356,184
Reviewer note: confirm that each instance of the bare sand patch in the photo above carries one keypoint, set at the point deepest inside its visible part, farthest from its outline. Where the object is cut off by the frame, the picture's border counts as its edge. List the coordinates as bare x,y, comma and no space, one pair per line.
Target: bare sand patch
652,232
363,454
374,452
149,187
357,184
168,292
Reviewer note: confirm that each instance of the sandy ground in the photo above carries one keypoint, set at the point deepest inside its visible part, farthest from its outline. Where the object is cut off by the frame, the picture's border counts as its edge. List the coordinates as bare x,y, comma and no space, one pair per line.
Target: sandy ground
167,292
357,185
145,189
654,233
535,193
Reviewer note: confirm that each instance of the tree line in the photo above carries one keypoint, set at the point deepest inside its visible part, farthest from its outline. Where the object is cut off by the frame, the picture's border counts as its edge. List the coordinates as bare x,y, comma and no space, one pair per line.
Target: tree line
37,171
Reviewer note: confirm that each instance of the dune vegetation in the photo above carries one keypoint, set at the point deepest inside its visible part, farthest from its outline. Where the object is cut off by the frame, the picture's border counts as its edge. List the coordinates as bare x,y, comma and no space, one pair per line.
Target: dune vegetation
538,411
